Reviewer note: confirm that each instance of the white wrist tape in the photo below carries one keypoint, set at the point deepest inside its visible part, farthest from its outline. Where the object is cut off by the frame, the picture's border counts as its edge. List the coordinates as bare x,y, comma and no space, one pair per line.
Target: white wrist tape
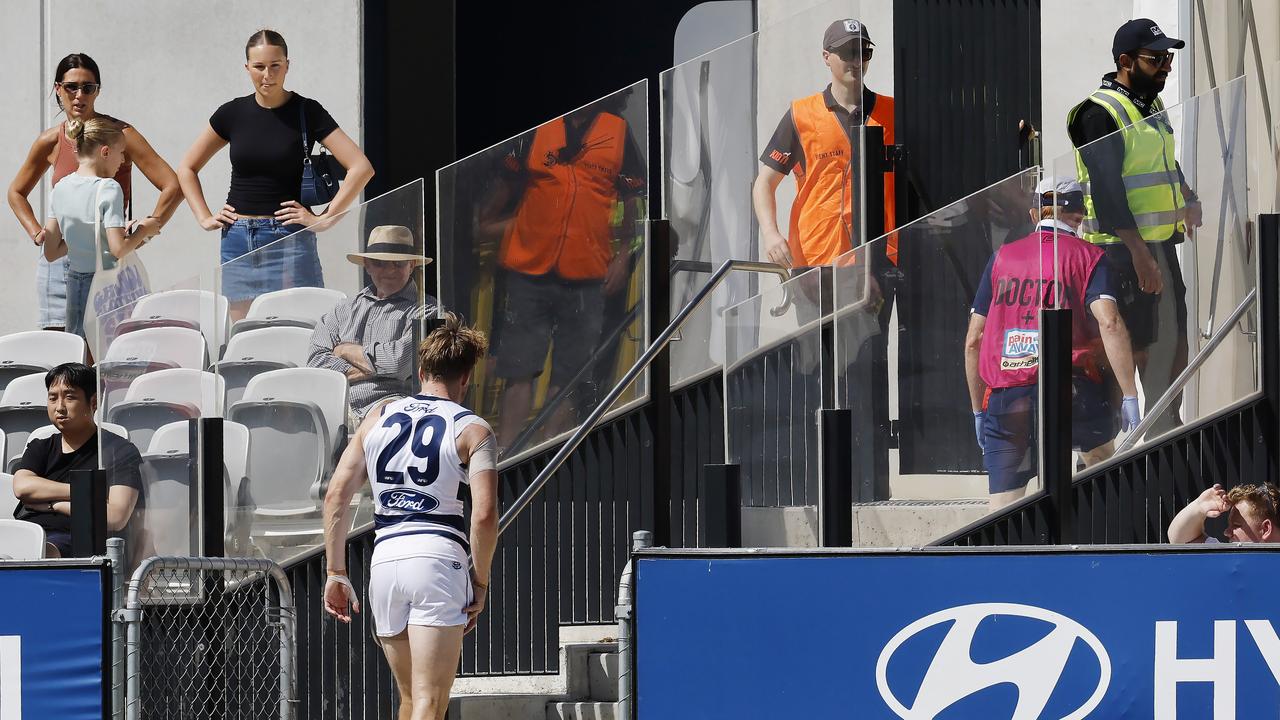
341,580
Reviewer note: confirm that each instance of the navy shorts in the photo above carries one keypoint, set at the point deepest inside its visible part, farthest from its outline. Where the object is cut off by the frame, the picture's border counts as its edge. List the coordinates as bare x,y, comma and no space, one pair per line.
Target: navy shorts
257,259
1141,310
1009,434
541,312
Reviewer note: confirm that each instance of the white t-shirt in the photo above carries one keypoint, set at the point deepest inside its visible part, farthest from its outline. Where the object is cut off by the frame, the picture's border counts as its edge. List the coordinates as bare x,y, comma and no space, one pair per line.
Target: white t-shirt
72,205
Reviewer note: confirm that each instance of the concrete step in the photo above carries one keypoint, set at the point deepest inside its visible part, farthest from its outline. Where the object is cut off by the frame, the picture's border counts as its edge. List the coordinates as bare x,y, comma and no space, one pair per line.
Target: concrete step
912,523
582,711
497,707
602,668
581,678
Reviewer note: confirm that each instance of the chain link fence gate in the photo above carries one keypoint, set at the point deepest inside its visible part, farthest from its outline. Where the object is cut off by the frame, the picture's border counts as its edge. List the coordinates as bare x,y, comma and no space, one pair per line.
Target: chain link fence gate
209,638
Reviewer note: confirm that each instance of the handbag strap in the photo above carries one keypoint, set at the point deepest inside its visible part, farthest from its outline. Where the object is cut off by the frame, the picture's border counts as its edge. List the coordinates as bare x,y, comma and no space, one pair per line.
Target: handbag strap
302,118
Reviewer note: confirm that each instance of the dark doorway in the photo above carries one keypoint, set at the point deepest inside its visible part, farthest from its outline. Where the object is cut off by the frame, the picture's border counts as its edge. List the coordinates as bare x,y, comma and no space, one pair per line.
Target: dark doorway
966,73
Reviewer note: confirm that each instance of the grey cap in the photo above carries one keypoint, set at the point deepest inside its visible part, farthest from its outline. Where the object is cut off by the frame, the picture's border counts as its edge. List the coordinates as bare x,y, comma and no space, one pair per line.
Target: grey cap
844,31
1067,193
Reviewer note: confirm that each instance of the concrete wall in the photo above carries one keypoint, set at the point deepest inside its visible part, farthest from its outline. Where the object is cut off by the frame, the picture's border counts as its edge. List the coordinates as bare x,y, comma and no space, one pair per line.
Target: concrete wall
166,66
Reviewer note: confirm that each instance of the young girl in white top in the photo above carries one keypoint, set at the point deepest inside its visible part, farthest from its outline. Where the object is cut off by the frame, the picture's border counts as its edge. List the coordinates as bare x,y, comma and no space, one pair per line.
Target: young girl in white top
77,203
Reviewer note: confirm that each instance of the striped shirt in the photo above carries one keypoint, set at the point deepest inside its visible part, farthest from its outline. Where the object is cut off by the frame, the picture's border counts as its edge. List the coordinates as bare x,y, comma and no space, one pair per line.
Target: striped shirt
388,329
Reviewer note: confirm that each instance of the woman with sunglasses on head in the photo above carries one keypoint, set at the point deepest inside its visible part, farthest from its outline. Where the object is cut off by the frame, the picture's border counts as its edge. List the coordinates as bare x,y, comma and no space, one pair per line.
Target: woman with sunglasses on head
77,83
265,132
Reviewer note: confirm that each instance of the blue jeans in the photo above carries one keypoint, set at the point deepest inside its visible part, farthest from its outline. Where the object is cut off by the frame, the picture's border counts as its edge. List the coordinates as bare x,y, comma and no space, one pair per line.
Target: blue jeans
260,255
78,284
51,291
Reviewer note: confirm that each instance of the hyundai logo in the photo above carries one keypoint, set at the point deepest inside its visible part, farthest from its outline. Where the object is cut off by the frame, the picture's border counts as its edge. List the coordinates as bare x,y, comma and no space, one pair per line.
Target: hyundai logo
1036,670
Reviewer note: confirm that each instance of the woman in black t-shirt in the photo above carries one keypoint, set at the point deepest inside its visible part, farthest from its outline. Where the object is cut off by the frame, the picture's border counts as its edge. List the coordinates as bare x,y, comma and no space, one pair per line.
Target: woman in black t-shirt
265,133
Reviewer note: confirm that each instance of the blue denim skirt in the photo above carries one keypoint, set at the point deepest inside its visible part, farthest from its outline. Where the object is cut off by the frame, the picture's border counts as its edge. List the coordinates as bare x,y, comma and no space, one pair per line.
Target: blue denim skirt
261,255
51,291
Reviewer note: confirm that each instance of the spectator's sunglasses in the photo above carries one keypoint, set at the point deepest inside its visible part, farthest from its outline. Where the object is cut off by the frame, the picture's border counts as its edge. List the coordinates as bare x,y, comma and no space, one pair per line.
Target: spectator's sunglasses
380,264
1159,59
72,88
845,52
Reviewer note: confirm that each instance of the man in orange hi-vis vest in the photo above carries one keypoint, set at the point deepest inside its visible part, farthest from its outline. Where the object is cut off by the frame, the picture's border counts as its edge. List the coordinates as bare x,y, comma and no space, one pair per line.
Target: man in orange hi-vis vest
819,141
816,142
562,254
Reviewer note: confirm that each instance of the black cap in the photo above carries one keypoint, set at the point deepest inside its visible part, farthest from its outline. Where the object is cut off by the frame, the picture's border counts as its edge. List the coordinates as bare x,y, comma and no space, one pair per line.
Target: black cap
1142,33
844,31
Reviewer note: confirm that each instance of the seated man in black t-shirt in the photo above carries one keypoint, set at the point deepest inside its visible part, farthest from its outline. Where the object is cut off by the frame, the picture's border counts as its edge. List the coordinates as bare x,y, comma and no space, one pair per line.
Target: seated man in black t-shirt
41,482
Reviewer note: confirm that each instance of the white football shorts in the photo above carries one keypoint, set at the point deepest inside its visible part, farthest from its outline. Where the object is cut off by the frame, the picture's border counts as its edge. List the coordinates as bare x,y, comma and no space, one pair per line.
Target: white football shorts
420,590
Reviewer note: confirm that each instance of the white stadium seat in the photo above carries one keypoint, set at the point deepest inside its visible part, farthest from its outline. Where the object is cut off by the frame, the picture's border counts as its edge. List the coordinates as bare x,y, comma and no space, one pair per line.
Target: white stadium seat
21,540
291,307
296,417
148,350
194,309
159,398
167,478
23,408
37,351
8,501
254,352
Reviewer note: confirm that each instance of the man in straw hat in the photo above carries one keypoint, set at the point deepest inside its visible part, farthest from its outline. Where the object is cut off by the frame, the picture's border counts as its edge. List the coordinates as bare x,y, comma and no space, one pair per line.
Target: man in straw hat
372,337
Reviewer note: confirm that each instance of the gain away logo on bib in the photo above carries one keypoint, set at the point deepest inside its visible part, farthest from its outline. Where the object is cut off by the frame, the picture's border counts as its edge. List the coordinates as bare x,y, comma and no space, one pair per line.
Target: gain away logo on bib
1021,350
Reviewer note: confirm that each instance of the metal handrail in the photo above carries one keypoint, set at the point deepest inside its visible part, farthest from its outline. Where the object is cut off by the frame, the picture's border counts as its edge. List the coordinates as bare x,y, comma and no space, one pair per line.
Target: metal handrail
641,363
1192,367
521,444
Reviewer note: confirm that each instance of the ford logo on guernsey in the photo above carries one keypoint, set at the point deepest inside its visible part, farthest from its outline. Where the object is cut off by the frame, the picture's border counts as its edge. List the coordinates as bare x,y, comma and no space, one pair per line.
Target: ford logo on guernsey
977,655
408,500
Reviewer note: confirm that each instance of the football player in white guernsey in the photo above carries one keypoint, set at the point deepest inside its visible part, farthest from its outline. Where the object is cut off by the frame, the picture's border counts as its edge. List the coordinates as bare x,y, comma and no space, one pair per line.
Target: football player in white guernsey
423,456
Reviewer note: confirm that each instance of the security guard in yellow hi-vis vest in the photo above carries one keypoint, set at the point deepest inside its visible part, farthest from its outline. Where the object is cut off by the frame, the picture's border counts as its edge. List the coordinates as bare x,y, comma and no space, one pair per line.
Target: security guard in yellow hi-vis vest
1137,203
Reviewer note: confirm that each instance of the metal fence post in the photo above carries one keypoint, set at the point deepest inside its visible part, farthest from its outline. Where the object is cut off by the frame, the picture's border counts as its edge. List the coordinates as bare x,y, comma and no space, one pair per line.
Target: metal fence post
1269,332
624,612
660,253
207,473
1055,420
836,503
115,553
89,521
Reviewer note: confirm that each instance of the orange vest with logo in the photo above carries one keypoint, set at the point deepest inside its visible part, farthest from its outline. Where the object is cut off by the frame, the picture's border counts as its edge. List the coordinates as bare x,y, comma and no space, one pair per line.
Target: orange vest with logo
821,215
563,223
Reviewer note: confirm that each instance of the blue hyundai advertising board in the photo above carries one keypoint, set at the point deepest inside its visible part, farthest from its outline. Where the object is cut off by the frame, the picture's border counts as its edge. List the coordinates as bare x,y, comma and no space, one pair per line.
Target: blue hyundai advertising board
52,641
1095,633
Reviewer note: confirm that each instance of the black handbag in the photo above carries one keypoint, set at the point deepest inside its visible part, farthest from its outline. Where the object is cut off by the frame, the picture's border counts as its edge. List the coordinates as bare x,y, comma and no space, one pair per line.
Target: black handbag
321,173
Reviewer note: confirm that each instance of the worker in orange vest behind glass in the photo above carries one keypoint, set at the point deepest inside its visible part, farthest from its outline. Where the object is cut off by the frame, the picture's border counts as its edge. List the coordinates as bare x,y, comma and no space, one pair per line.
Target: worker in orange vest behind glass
563,254
816,142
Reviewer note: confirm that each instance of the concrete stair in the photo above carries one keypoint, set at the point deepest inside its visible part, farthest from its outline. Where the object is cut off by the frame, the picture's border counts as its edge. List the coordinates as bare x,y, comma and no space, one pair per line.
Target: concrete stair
590,675
912,523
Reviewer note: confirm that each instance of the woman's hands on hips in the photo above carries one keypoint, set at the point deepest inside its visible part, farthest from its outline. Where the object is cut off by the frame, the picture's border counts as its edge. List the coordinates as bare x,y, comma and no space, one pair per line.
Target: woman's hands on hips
226,217
292,212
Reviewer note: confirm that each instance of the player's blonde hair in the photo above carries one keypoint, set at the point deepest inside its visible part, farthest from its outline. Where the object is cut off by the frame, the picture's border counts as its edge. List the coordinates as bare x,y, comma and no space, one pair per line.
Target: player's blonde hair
1264,499
451,350
94,133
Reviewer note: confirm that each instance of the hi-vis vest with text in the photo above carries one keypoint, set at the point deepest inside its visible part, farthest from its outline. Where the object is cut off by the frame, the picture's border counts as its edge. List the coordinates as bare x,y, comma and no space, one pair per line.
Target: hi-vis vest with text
1149,172
821,215
1023,280
563,222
